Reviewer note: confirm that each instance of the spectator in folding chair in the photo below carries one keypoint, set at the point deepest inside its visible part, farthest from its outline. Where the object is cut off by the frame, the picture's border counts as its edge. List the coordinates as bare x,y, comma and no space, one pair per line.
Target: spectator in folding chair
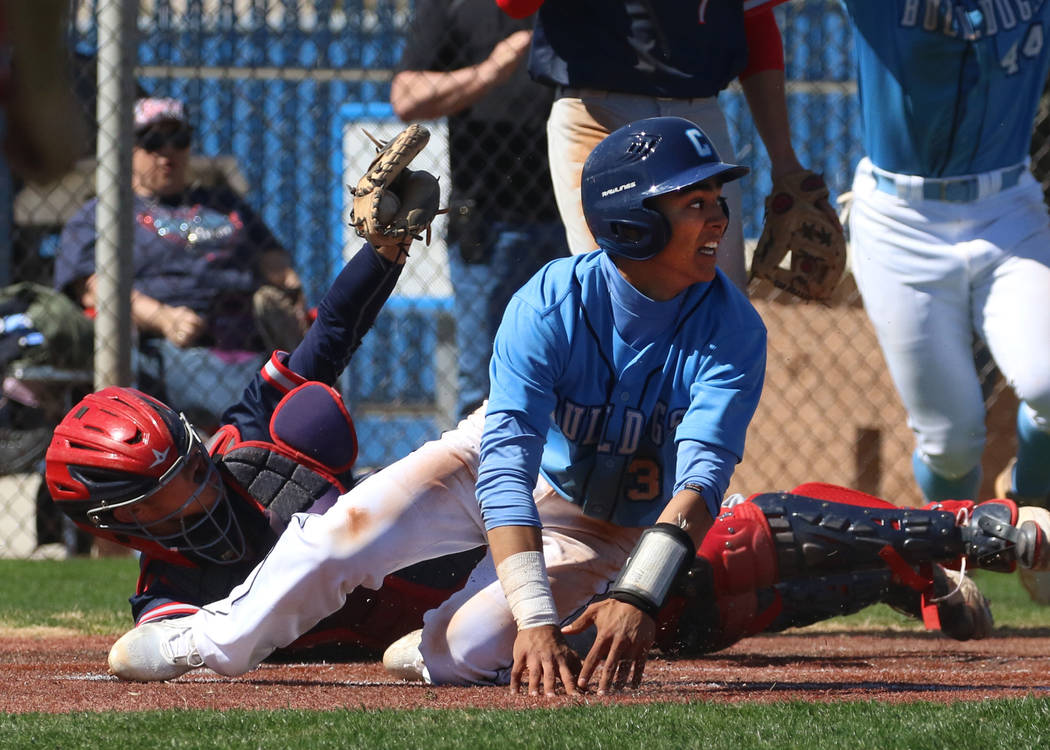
213,290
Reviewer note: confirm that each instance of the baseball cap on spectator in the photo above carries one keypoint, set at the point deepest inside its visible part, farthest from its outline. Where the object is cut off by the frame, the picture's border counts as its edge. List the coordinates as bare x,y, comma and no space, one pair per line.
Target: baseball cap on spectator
153,111
151,115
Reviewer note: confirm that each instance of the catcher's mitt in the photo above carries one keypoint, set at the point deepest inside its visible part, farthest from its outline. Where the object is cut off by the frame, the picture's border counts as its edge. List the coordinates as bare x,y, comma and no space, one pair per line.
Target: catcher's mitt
394,204
796,224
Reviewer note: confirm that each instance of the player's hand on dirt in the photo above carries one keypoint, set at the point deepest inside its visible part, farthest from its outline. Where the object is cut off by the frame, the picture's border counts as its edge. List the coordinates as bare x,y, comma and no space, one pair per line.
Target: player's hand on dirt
181,325
621,647
544,654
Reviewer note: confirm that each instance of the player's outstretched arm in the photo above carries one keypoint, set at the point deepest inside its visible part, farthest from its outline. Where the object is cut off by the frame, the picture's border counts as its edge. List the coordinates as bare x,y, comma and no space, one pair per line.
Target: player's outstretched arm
539,648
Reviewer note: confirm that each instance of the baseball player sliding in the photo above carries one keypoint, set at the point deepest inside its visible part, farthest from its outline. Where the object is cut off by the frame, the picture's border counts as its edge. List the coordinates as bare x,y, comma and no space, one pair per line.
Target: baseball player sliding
623,382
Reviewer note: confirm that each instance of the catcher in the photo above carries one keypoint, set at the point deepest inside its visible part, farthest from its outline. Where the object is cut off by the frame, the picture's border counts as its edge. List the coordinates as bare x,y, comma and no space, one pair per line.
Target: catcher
801,226
130,469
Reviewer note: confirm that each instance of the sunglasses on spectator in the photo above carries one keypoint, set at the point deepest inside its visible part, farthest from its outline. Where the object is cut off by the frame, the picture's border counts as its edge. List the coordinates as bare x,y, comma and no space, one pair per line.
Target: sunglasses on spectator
155,139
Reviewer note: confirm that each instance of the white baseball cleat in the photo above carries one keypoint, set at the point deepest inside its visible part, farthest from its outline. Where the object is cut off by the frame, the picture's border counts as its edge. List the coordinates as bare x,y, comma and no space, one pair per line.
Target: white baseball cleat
1036,580
403,660
155,651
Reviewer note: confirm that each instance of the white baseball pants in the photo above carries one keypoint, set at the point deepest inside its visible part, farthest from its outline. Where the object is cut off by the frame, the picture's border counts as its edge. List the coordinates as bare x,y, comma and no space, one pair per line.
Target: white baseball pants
420,507
933,274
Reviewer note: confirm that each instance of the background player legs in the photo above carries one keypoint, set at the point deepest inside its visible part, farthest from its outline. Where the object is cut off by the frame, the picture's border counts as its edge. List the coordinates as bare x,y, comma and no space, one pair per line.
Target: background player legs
483,289
1013,311
916,289
576,125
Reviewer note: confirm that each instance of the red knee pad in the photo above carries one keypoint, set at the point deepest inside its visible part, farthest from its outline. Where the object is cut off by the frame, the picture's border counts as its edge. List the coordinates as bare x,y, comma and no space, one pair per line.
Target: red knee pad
740,550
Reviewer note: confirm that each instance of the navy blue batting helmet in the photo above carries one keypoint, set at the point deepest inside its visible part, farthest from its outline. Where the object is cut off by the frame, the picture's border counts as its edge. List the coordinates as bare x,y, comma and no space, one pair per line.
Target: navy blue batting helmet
639,161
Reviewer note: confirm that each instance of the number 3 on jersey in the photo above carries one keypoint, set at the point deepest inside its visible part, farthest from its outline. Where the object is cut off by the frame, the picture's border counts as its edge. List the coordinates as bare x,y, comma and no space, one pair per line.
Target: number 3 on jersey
644,480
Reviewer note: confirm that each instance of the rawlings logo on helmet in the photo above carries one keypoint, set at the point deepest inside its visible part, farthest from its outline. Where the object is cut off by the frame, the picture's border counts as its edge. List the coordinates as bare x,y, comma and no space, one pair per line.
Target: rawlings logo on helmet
619,188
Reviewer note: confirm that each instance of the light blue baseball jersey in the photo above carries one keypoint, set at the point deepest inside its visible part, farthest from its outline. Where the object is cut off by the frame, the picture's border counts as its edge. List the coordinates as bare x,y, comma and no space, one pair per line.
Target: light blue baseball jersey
601,415
949,87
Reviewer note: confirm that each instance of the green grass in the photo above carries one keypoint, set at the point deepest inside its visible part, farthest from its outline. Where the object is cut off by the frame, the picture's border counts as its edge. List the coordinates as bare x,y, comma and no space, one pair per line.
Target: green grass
985,725
83,595
90,596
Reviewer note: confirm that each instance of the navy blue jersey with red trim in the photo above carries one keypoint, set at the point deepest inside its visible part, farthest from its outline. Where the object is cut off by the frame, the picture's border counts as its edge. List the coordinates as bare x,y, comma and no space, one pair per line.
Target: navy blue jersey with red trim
666,48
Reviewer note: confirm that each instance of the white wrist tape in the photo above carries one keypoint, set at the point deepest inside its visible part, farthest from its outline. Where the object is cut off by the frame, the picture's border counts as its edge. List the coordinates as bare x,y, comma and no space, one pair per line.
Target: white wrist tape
654,564
524,579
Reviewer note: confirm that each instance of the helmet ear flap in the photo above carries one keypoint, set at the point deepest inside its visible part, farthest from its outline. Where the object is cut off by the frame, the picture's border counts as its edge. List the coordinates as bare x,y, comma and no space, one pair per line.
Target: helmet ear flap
640,234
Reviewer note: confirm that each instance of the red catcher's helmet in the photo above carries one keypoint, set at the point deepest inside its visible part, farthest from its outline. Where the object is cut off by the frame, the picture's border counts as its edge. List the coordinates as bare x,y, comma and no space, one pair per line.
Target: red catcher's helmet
115,449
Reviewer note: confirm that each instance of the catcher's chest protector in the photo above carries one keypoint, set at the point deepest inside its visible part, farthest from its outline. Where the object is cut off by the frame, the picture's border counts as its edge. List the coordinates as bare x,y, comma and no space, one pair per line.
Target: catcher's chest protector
313,442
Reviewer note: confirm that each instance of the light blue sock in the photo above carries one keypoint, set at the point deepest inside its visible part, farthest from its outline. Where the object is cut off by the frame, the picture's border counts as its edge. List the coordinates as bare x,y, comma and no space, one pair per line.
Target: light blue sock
935,487
1032,471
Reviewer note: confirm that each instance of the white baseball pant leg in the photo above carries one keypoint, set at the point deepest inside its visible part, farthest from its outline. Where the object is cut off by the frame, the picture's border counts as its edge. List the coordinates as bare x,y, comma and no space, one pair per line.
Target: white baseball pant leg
583,117
421,507
932,274
469,639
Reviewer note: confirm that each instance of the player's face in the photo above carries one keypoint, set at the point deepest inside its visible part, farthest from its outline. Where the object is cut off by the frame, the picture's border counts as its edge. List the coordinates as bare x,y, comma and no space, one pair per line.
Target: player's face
195,490
160,160
697,225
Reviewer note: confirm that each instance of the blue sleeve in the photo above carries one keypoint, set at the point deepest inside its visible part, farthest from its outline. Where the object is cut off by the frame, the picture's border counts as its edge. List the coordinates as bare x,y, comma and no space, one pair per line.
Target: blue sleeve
706,466
510,463
724,396
347,312
529,350
526,357
75,259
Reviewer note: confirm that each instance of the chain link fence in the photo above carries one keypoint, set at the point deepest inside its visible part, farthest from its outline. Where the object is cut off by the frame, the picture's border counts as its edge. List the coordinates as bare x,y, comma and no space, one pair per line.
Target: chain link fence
276,95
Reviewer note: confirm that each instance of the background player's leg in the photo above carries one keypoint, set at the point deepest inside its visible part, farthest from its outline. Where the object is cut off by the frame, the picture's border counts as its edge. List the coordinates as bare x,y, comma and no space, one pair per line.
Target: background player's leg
916,292
1012,309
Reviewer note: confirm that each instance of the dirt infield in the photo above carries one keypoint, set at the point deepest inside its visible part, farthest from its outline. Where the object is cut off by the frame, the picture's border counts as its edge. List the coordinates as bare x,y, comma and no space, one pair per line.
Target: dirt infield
60,674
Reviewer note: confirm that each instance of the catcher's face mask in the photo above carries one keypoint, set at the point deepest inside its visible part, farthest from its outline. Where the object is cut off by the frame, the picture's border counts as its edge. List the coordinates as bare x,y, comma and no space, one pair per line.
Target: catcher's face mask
187,511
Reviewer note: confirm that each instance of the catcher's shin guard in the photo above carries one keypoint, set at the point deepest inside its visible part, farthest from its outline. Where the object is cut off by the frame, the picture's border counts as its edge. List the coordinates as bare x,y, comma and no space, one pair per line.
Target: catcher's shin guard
726,595
995,540
817,537
731,591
